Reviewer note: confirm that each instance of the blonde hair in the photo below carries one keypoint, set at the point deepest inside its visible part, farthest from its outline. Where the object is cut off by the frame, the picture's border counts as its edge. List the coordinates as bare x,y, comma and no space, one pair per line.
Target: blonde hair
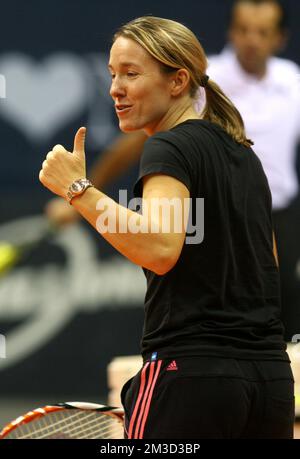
175,47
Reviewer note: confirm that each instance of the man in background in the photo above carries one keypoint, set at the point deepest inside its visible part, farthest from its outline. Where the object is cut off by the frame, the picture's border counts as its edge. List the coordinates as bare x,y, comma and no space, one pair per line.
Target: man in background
266,91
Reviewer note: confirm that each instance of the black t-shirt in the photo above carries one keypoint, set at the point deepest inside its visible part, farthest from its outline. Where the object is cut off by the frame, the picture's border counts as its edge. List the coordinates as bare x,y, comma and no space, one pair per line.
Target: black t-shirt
222,296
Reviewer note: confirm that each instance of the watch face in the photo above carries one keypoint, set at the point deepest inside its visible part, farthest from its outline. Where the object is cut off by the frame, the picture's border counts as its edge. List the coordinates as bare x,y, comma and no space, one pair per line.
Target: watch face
76,187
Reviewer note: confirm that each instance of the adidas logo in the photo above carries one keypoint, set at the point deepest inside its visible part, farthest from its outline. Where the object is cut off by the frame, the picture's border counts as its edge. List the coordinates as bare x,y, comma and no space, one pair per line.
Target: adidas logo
172,366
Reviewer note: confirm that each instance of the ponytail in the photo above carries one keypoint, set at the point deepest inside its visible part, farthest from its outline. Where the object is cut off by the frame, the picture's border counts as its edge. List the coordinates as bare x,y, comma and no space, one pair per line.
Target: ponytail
220,110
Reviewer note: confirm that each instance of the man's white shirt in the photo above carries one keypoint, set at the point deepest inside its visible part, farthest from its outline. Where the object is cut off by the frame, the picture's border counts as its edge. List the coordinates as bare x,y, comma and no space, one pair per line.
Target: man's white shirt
270,108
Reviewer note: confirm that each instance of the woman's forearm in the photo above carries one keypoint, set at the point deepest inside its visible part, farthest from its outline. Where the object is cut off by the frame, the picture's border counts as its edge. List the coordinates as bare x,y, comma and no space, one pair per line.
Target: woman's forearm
116,223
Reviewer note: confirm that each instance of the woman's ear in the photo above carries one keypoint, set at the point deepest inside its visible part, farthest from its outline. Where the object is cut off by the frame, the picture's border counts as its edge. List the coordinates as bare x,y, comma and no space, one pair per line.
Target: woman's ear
180,81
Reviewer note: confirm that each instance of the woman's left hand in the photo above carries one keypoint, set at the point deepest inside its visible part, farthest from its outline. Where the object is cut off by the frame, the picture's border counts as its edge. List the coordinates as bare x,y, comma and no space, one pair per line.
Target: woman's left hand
61,167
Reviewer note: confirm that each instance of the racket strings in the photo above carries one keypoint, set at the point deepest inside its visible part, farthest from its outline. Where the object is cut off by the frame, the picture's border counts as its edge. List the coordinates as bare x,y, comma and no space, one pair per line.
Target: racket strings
91,425
67,423
52,423
79,431
109,430
103,426
90,429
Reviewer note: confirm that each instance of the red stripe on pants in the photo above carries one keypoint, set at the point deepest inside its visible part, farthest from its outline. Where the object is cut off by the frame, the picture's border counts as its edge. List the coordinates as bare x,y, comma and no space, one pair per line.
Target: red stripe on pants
137,428
142,386
145,416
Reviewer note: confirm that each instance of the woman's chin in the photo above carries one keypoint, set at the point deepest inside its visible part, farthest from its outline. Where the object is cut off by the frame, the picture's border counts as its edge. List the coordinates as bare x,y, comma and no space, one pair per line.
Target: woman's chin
126,128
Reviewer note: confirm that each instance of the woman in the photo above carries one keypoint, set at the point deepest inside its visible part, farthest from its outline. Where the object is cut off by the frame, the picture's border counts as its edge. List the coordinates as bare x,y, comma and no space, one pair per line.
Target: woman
215,364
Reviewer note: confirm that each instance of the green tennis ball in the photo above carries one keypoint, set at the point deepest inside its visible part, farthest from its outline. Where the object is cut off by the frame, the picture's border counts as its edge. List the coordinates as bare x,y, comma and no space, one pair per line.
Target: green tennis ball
8,256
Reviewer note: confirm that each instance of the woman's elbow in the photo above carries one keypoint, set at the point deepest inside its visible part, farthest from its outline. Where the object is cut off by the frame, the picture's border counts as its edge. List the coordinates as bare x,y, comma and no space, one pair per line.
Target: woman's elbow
164,263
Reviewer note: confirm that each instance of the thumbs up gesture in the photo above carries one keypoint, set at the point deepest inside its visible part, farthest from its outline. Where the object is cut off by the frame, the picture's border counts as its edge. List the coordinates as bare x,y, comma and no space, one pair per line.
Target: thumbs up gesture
79,144
61,167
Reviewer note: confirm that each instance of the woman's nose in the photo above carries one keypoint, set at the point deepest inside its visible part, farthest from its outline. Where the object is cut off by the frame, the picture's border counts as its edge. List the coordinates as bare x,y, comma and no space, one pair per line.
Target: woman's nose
117,89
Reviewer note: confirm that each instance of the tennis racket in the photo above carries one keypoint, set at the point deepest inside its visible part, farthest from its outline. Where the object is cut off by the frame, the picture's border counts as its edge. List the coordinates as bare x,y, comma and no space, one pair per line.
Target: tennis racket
20,237
71,420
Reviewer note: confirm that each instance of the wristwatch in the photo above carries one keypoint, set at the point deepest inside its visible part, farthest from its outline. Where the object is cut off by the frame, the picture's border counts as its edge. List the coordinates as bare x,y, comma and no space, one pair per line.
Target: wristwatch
77,188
